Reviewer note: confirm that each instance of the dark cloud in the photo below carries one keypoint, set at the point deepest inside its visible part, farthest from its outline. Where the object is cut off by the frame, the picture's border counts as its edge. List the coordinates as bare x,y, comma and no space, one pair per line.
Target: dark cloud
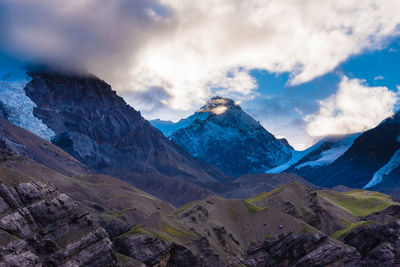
82,34
153,98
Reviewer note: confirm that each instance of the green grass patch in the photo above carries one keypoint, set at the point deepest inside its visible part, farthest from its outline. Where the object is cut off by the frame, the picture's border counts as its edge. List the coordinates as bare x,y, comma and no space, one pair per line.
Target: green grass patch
352,226
270,235
137,230
264,195
253,208
184,207
233,214
359,202
160,236
304,229
120,213
175,232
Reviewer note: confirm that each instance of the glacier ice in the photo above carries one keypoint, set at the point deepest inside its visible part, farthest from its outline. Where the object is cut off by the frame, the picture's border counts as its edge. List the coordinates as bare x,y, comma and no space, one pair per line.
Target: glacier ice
393,163
330,155
19,108
296,157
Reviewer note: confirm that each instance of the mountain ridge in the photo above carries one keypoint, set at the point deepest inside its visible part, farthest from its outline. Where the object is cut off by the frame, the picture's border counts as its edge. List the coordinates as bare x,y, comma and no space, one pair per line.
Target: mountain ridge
221,133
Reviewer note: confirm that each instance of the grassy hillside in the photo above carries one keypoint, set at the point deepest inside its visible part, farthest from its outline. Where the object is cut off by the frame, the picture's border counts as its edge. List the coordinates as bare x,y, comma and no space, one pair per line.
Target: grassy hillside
359,202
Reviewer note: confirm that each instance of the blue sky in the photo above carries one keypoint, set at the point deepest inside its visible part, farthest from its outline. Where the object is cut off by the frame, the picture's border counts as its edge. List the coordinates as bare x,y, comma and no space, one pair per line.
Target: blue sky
281,108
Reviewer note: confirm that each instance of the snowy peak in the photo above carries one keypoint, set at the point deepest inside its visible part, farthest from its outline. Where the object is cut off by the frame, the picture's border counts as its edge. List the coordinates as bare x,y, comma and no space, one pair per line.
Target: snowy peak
221,133
218,105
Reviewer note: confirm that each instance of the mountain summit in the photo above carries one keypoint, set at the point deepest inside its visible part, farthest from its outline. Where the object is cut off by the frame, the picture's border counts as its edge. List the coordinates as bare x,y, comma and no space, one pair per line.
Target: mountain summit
223,134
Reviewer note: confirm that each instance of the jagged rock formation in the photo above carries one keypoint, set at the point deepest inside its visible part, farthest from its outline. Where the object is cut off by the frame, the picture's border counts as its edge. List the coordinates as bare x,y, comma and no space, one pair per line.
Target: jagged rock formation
304,250
153,251
221,133
40,226
378,245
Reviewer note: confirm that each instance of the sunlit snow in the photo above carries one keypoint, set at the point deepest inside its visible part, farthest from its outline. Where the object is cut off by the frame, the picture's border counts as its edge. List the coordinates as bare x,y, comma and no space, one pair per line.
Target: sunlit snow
326,157
332,154
296,157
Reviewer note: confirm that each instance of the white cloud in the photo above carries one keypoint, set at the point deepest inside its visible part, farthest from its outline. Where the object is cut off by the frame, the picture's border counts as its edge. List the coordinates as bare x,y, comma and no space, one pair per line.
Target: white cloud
307,38
354,108
184,46
380,77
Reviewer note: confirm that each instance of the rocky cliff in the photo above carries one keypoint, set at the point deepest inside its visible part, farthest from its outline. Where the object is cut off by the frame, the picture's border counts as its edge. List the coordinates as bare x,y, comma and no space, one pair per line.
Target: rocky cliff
95,125
41,226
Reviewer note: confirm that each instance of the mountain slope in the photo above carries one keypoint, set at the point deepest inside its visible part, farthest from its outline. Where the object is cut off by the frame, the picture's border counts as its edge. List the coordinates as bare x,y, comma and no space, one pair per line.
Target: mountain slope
324,152
97,127
222,134
257,231
84,117
368,160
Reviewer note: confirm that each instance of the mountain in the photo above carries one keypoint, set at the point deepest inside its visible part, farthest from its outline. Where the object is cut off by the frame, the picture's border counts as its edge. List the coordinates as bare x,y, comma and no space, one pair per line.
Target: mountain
84,117
318,155
221,133
289,225
367,160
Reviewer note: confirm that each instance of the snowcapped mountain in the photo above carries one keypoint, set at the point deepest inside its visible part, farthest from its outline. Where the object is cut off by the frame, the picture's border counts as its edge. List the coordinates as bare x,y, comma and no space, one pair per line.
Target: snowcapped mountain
320,154
82,115
369,160
221,133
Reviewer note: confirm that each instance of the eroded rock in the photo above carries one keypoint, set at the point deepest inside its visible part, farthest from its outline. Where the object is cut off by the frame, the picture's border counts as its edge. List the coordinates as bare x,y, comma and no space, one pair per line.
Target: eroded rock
40,226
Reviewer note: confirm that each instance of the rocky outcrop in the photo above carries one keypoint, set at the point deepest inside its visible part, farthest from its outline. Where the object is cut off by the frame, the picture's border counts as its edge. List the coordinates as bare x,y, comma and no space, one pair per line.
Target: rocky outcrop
155,252
305,250
41,226
378,245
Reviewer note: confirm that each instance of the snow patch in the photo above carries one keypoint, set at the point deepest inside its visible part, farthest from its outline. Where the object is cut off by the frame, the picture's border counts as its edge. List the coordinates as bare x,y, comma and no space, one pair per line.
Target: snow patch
296,157
332,154
393,164
19,108
218,110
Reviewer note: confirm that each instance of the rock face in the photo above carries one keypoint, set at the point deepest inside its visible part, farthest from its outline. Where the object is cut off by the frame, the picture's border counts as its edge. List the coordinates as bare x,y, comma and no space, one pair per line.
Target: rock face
40,226
96,126
153,251
222,134
378,245
303,250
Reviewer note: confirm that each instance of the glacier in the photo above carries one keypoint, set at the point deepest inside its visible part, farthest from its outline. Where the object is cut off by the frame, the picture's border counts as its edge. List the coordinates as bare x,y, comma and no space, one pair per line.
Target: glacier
326,157
330,155
393,163
19,108
296,157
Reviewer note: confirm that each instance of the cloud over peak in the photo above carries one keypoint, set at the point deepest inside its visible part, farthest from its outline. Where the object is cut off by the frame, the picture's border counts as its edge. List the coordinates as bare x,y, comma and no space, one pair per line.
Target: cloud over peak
193,49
